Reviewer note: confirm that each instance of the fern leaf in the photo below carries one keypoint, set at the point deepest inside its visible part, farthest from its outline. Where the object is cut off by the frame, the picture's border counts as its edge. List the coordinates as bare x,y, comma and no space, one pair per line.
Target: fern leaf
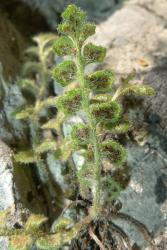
114,151
28,84
138,89
31,67
55,123
121,128
48,102
47,53
24,113
55,241
45,146
20,242
112,187
4,217
34,222
25,157
45,39
62,224
33,50
65,150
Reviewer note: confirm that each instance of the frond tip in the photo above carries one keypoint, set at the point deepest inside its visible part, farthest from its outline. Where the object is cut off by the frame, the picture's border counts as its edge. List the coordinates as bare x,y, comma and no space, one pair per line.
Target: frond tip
138,89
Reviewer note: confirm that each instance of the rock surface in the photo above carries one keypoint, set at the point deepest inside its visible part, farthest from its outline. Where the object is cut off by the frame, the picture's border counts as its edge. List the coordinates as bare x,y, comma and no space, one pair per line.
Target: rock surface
136,36
12,45
51,9
6,184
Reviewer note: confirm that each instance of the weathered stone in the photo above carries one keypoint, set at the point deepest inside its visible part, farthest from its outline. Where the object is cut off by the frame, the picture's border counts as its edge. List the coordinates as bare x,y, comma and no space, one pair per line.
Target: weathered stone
6,184
136,38
12,45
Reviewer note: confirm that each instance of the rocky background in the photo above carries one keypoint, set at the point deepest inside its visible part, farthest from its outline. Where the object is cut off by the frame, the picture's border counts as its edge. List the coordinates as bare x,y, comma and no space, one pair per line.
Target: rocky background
135,33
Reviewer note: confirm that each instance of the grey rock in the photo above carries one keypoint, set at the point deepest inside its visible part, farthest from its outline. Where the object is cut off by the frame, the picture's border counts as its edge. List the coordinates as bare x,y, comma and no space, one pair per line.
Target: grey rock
157,7
146,195
11,130
135,36
6,185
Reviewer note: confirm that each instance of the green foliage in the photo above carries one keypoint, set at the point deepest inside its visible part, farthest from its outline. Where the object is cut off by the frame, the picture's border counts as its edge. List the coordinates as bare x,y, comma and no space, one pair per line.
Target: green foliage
70,102
107,112
85,181
64,46
99,102
25,157
114,151
101,80
93,53
97,139
65,72
36,77
88,30
113,188
20,242
34,222
80,135
46,145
